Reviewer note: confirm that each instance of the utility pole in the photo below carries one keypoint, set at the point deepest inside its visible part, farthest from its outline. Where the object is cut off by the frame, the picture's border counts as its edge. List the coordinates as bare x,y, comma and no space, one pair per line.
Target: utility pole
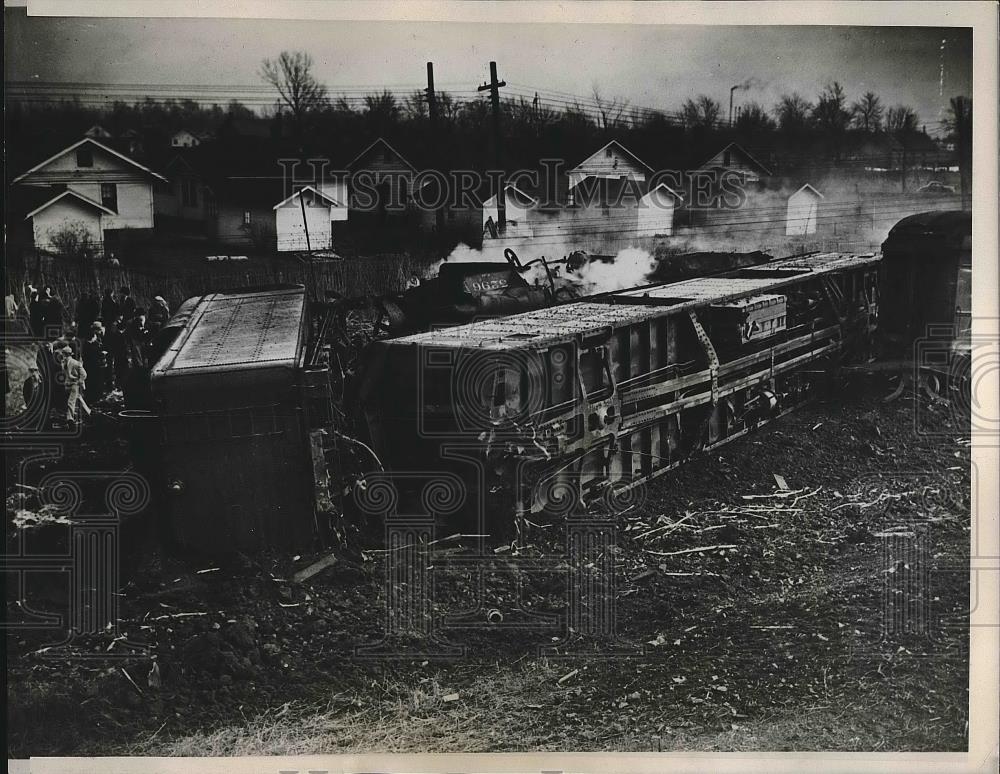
432,110
494,87
305,226
733,89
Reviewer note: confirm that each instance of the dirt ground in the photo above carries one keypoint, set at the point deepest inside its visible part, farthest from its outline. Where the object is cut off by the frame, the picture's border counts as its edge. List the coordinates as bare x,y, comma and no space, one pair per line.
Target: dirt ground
831,615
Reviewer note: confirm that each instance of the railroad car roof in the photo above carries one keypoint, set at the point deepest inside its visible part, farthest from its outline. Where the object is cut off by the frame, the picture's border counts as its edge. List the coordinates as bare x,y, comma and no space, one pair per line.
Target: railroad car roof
550,325
942,222
239,330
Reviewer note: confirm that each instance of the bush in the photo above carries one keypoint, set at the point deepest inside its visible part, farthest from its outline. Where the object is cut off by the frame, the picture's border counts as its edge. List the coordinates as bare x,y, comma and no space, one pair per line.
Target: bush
72,240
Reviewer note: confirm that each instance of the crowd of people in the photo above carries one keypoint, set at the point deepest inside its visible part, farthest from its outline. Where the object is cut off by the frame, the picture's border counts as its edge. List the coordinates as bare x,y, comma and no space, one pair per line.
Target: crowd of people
100,353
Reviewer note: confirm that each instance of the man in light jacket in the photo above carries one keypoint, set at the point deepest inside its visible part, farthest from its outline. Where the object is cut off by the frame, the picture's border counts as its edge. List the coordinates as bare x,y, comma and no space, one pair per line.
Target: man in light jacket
76,380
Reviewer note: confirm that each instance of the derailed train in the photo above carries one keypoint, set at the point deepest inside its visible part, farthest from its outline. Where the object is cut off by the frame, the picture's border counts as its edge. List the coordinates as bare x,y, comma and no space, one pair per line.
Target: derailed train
539,411
551,408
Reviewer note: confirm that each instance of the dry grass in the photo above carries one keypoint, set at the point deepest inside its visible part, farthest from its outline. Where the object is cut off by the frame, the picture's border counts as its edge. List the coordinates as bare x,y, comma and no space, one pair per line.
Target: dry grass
393,715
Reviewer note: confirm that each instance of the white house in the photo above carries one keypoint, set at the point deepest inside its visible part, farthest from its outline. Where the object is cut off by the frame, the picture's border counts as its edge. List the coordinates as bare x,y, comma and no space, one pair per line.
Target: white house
309,210
517,206
184,139
655,212
68,209
94,185
803,209
613,161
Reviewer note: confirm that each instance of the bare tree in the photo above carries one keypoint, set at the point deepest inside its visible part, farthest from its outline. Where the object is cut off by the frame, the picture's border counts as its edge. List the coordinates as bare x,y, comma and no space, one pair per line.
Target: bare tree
901,119
753,119
611,111
382,109
959,117
291,74
830,112
793,112
867,112
416,105
701,113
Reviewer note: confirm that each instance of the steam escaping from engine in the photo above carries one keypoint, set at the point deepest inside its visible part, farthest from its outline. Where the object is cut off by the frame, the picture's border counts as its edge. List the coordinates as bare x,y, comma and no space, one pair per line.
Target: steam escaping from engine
629,268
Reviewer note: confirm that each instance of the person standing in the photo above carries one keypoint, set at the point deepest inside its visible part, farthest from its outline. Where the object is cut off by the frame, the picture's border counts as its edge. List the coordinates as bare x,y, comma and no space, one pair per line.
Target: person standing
127,304
159,313
88,309
31,388
54,315
75,376
109,307
36,313
115,346
95,364
9,312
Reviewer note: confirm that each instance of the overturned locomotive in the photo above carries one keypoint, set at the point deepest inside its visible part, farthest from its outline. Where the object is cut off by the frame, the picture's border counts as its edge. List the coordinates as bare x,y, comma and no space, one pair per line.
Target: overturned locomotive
544,410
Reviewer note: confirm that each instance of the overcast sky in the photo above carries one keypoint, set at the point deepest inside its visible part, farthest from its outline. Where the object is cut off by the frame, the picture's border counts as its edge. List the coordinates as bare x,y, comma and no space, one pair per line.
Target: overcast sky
652,66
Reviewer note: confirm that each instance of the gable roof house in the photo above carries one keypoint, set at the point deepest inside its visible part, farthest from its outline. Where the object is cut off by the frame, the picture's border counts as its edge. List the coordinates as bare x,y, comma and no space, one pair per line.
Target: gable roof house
184,139
606,214
92,186
517,206
612,161
381,183
803,210
187,202
261,212
735,158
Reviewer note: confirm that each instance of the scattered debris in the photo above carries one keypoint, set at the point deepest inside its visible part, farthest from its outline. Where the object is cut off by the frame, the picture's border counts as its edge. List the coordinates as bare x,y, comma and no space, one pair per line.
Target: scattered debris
315,568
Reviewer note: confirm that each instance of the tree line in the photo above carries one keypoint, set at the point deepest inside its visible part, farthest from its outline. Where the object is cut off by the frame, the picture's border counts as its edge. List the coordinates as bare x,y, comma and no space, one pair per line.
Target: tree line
312,120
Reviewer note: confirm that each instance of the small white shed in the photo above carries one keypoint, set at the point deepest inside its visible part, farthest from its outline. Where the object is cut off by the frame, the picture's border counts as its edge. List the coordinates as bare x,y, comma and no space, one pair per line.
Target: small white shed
517,206
803,211
320,209
656,211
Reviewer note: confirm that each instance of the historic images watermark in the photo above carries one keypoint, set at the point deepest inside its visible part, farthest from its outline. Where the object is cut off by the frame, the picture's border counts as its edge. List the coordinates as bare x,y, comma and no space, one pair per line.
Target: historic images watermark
429,190
953,368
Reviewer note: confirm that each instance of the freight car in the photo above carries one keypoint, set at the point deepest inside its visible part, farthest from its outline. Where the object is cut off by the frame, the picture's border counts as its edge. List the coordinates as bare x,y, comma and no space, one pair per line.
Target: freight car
926,313
548,409
231,440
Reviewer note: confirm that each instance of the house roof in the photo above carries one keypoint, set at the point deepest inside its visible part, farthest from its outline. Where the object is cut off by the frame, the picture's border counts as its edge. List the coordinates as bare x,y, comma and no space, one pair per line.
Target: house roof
325,197
620,147
736,147
527,198
808,187
381,141
666,188
91,141
72,194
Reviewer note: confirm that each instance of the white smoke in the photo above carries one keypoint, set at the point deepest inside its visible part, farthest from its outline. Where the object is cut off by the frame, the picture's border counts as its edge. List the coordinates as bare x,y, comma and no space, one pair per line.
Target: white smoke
493,252
630,268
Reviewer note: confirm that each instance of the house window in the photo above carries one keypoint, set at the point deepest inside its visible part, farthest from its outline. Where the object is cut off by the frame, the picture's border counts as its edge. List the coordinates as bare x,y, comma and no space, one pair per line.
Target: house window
109,196
189,192
607,153
84,157
247,218
727,158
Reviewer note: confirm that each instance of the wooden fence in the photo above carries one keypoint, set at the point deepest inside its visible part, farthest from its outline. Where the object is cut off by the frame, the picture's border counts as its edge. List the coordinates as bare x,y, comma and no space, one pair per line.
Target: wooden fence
351,277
